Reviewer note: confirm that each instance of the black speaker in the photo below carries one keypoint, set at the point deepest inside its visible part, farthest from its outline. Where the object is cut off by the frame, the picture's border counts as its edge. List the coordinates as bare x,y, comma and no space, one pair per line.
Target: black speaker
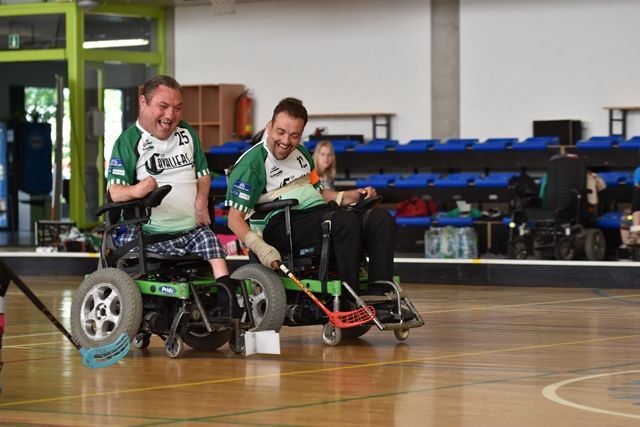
569,131
34,148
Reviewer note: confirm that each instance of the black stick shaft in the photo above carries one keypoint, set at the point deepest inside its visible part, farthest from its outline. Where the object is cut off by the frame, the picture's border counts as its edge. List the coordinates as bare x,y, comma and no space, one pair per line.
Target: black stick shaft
8,273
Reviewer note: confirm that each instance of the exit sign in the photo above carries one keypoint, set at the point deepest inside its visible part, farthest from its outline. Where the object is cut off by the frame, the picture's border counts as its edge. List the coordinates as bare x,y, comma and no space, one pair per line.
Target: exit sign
14,41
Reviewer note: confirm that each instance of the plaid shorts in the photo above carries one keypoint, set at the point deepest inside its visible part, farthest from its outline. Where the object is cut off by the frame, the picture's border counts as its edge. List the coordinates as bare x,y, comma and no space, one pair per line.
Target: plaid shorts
200,241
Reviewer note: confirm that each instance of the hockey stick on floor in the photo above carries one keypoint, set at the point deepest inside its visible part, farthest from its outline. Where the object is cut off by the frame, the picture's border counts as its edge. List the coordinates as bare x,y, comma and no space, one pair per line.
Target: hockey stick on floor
95,357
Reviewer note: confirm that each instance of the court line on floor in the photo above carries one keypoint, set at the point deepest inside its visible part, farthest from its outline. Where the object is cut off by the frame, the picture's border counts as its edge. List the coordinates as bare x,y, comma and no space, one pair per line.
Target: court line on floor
494,307
311,371
550,392
379,395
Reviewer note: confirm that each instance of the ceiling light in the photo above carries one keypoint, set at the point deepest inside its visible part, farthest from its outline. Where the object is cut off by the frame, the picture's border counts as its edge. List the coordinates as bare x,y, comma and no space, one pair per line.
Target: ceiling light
103,44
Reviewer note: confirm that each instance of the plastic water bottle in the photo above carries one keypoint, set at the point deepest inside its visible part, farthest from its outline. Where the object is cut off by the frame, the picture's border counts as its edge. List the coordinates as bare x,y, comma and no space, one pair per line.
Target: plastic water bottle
432,243
463,243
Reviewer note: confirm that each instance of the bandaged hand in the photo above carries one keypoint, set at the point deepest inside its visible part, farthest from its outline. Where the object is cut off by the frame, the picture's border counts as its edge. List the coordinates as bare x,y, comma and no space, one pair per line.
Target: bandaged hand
266,253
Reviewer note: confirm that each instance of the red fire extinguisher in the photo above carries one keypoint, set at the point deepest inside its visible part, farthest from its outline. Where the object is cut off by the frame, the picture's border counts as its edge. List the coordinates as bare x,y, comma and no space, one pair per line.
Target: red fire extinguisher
244,116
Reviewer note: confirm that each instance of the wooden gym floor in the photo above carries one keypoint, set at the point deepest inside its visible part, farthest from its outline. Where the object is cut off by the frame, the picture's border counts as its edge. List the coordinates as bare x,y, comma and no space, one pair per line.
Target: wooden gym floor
488,356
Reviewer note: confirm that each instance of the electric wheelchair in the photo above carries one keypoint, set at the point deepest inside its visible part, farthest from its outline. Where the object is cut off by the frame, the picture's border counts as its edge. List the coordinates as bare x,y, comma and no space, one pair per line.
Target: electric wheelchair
315,268
561,224
142,293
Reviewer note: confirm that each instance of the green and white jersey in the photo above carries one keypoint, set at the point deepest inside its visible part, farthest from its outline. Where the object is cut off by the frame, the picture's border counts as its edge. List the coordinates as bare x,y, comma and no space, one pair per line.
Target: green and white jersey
178,161
257,173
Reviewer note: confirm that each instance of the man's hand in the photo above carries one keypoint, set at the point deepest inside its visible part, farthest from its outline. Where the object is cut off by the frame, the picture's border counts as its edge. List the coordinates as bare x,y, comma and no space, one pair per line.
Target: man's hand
354,196
202,212
267,254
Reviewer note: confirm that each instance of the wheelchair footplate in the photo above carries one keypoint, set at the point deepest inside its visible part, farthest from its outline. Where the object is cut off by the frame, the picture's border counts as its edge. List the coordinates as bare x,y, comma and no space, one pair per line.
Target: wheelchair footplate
394,309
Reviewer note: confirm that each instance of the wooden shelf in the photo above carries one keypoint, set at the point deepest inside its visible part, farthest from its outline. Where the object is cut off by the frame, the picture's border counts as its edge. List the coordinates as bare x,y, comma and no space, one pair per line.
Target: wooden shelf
210,110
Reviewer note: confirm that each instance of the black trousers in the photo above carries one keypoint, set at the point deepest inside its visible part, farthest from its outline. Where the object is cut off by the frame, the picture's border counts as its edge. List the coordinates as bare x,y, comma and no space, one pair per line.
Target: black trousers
350,239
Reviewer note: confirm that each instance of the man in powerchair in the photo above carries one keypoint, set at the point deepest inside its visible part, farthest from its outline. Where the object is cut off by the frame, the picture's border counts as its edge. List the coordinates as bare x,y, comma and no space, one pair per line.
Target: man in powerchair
162,149
279,167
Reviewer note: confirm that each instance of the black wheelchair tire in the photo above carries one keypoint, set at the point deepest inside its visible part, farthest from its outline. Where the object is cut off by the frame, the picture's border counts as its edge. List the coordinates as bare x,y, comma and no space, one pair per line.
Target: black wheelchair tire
520,247
355,332
565,248
206,341
269,301
595,246
124,308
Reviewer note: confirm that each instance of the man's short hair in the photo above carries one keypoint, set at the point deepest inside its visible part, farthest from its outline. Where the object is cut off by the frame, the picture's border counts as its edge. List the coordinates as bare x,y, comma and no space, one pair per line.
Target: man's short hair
293,107
153,83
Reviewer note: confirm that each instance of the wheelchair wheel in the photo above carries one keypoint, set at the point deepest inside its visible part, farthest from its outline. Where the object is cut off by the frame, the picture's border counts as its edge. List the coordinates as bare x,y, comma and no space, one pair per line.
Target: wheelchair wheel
107,304
141,341
565,248
199,339
236,347
595,246
331,335
267,298
401,334
176,349
519,247
356,332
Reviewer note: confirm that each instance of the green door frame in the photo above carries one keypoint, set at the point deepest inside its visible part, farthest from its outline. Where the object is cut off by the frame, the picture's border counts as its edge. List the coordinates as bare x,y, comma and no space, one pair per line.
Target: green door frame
76,58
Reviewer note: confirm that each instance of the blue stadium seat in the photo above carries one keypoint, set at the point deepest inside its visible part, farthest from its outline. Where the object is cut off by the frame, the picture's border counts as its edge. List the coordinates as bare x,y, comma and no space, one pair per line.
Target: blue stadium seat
342,145
460,179
310,144
609,220
496,179
535,143
616,178
376,146
443,221
416,180
494,144
455,144
417,145
599,143
377,180
219,182
414,221
632,143
230,147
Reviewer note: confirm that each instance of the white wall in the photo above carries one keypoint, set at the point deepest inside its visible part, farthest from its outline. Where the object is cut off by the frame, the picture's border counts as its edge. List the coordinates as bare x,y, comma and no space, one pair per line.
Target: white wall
524,60
373,57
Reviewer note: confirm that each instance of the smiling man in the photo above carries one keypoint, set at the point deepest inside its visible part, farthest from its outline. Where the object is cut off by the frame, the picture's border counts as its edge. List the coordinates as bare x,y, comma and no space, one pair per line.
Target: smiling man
279,167
160,148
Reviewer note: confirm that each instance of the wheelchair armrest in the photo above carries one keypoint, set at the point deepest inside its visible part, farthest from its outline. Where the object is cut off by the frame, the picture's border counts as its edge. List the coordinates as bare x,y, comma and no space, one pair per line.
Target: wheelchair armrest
276,204
151,200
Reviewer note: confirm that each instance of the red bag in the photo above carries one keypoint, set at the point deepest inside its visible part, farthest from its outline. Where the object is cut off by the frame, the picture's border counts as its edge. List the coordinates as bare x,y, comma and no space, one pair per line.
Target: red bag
415,206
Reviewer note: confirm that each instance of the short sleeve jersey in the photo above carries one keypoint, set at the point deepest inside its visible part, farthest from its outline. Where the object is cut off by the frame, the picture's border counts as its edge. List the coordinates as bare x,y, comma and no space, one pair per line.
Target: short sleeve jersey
178,161
257,172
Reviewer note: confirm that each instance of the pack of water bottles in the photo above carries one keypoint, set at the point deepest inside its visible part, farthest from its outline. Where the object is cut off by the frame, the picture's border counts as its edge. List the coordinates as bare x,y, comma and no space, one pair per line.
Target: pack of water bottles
451,242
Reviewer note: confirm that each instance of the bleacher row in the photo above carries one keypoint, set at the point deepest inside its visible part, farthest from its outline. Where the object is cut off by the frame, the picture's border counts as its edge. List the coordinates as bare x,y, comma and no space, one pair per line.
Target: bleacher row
453,145
428,181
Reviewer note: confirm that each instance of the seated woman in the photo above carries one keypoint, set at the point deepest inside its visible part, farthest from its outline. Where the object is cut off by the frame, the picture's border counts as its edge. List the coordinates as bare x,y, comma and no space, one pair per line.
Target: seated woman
324,157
